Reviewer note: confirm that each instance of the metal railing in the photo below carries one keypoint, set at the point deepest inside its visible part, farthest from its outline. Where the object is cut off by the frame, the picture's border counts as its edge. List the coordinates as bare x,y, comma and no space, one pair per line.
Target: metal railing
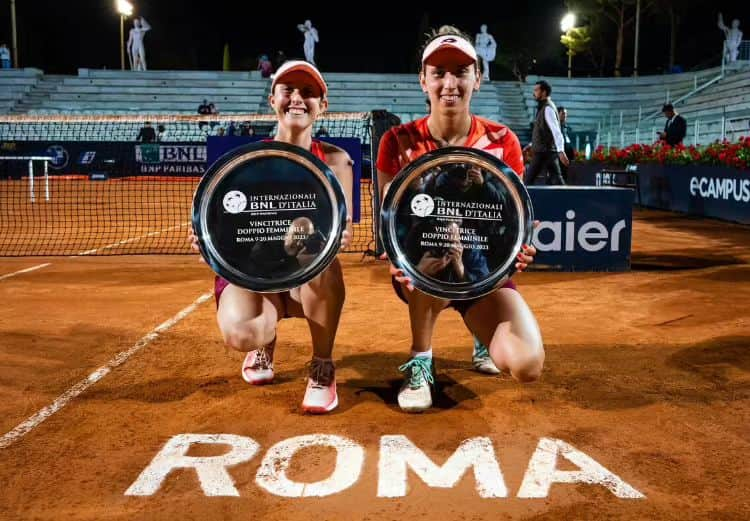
613,120
628,126
700,131
742,58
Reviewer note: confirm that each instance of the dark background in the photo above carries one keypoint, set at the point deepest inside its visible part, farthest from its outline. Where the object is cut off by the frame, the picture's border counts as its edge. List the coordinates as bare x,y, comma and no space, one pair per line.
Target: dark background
60,36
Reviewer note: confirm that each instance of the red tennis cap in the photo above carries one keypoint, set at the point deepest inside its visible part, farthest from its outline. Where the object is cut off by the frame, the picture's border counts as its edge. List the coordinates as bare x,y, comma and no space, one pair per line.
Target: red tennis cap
300,66
450,41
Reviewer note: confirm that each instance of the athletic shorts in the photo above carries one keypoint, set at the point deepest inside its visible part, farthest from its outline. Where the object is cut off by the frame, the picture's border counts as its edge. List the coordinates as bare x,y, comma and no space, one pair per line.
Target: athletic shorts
462,306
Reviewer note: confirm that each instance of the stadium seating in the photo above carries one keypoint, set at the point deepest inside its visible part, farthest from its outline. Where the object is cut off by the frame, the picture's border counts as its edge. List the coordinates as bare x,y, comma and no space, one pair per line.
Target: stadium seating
613,105
15,84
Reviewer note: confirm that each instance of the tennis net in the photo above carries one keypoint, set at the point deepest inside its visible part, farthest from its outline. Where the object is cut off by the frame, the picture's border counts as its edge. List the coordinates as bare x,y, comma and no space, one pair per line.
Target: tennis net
96,188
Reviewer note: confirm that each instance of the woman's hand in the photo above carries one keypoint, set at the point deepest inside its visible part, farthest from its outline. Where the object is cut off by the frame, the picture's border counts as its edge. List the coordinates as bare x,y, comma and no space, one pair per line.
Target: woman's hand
475,174
431,265
346,237
193,239
456,251
398,274
526,255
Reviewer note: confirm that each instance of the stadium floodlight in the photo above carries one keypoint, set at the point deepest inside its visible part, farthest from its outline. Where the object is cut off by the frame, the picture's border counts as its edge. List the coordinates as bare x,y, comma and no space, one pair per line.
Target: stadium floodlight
125,9
568,22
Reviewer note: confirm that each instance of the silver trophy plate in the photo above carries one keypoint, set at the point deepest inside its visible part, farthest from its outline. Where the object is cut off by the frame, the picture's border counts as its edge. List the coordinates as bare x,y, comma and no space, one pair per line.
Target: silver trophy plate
454,221
269,216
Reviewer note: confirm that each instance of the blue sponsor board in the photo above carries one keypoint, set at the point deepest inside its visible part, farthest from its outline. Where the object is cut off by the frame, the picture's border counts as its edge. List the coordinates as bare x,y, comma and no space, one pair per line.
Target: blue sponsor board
220,145
113,158
583,228
708,191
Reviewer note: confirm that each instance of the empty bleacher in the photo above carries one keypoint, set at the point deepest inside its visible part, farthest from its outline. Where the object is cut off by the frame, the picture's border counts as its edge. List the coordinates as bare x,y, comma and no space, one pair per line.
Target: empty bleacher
616,106
15,84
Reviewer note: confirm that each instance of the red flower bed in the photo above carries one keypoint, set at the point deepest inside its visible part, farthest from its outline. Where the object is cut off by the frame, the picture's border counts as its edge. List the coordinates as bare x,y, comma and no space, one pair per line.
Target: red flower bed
724,153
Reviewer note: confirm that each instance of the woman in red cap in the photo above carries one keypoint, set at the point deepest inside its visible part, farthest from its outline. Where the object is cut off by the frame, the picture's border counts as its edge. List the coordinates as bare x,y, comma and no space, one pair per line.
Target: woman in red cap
506,333
247,319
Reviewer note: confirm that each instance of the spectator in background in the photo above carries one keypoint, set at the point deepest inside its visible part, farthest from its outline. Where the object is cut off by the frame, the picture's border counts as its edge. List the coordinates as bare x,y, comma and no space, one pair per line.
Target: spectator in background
567,134
546,139
220,132
265,66
427,106
203,108
322,132
147,134
675,128
279,60
232,129
161,133
4,56
212,110
247,129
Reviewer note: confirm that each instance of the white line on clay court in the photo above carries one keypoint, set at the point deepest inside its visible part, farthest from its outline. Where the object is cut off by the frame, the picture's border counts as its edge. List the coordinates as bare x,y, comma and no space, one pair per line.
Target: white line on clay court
126,241
33,421
19,272
95,250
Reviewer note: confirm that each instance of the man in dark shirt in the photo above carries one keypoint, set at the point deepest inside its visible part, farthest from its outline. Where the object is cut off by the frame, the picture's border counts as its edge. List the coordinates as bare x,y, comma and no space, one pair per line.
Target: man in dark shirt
546,139
676,127
147,134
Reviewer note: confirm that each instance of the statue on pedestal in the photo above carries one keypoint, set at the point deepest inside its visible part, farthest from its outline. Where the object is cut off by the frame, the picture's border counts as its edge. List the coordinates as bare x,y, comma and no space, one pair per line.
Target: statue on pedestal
311,38
136,49
733,39
486,49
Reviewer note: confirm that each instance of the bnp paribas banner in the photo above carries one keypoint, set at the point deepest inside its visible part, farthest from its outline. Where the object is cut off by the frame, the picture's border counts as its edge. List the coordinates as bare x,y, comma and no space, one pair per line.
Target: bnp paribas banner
109,159
171,158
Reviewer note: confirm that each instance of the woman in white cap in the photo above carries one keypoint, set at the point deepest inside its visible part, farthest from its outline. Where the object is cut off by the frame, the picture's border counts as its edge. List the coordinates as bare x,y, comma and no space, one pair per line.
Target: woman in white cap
247,319
506,333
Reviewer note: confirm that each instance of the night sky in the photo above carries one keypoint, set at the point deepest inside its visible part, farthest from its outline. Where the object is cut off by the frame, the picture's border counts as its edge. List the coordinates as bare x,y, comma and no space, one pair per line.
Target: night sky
60,36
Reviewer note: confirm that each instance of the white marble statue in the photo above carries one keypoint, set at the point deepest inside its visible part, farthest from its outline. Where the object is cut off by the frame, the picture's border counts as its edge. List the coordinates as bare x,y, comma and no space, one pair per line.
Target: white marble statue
486,49
311,38
136,49
733,39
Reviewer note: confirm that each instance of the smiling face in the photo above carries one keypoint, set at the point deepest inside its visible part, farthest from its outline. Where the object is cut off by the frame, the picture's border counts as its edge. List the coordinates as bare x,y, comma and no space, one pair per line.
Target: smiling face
297,100
449,78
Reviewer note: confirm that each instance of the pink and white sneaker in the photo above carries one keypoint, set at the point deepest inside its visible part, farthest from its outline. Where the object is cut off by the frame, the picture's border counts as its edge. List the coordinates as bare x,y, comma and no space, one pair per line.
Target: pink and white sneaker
320,395
257,368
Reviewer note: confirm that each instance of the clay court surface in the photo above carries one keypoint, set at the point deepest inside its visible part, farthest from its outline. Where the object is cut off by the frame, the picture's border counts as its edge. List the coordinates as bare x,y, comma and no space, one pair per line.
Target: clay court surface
647,372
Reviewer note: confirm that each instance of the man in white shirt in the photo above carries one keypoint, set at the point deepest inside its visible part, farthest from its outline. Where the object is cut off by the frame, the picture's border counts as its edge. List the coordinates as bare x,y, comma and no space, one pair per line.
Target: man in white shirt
547,142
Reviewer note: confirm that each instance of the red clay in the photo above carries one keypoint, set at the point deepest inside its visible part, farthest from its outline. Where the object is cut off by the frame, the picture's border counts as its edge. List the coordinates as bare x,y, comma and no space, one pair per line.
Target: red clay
647,372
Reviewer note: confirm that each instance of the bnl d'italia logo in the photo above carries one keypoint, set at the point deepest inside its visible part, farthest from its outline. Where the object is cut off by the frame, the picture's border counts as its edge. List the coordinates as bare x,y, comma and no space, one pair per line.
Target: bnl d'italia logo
59,156
154,153
235,201
422,205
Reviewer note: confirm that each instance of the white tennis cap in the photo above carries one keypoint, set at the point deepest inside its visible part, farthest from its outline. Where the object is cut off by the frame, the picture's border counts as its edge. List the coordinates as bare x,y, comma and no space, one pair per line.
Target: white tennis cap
450,41
300,66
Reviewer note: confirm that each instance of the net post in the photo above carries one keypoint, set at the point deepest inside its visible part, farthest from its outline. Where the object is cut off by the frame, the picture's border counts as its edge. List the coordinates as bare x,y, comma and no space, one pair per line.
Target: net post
374,191
46,179
31,180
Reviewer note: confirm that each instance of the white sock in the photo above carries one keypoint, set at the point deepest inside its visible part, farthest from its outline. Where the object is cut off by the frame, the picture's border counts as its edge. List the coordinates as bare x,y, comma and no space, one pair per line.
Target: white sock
422,354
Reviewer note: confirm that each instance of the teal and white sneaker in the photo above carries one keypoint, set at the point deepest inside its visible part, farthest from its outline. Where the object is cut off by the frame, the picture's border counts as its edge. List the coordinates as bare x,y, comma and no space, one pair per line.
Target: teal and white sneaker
481,360
416,392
